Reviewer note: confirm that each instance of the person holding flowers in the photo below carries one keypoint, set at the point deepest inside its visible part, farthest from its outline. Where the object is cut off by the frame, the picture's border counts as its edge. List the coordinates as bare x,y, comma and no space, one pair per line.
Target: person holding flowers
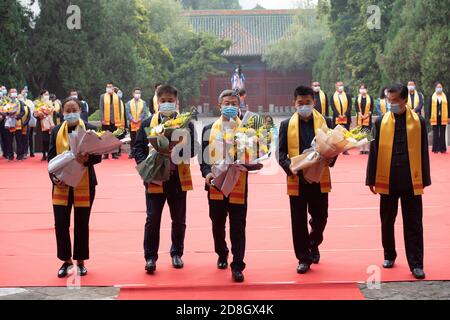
14,111
174,189
235,204
296,136
44,113
80,197
399,168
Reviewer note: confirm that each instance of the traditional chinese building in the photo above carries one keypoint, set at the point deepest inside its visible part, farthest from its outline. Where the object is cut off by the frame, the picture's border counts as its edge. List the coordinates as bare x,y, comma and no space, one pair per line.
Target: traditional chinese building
251,31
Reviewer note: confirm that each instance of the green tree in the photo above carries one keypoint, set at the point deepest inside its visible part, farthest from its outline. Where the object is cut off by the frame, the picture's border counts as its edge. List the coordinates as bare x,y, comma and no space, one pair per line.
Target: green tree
14,20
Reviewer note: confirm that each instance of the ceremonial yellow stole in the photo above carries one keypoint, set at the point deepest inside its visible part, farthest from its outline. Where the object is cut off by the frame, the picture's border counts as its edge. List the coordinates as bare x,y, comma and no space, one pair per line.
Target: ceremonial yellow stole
155,103
413,133
383,106
80,192
366,111
237,195
323,102
118,114
19,121
24,118
293,136
444,114
184,170
341,107
416,100
56,109
136,113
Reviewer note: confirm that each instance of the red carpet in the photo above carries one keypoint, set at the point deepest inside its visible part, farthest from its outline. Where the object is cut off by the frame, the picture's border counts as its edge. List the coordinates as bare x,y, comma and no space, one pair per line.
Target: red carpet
352,238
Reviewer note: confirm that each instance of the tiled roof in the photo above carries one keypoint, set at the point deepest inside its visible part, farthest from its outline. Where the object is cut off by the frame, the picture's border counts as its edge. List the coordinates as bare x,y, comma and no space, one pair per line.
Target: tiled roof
250,31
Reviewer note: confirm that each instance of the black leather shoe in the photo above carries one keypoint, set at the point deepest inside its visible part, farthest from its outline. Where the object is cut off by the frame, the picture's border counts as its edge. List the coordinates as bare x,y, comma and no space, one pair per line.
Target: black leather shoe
115,156
177,262
82,271
237,276
150,266
303,268
105,157
64,270
222,264
418,273
315,255
388,264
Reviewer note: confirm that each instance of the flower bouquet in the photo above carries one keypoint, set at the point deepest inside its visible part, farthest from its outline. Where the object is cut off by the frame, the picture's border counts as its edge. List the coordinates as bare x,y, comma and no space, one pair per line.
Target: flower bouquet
44,112
65,167
327,145
162,138
9,109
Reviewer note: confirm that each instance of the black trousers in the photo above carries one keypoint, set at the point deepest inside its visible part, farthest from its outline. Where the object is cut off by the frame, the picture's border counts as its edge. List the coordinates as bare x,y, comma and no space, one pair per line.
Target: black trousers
439,144
412,213
10,137
314,202
3,139
110,128
30,141
81,229
45,141
25,139
133,135
155,205
218,212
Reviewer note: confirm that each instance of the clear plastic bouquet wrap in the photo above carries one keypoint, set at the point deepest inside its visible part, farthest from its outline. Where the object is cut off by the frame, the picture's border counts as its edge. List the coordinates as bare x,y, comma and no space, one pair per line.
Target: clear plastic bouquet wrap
65,166
156,167
9,109
327,144
45,113
245,147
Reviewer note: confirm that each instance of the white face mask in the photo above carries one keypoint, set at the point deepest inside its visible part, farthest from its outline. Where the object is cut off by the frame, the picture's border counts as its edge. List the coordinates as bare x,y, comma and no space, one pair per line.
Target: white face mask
439,90
411,88
109,90
305,111
167,108
46,98
137,96
13,95
316,89
341,88
363,91
74,96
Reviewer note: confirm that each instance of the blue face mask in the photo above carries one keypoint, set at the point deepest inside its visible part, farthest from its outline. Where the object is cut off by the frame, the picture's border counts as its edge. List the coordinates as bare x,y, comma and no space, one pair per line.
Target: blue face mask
395,108
167,108
72,118
230,111
304,111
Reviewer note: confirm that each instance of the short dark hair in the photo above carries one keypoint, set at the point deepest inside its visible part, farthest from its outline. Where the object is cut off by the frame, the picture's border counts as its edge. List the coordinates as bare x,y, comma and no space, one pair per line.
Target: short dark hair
400,89
438,82
303,91
242,92
157,85
136,89
109,83
412,81
72,90
42,92
68,99
363,85
382,95
167,89
229,93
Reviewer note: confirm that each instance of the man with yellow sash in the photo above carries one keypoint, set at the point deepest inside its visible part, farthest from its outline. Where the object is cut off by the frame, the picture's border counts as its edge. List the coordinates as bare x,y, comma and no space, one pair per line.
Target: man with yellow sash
341,103
321,100
65,197
296,135
173,191
112,113
235,205
24,130
415,98
15,132
399,168
364,108
136,110
383,105
3,93
438,115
